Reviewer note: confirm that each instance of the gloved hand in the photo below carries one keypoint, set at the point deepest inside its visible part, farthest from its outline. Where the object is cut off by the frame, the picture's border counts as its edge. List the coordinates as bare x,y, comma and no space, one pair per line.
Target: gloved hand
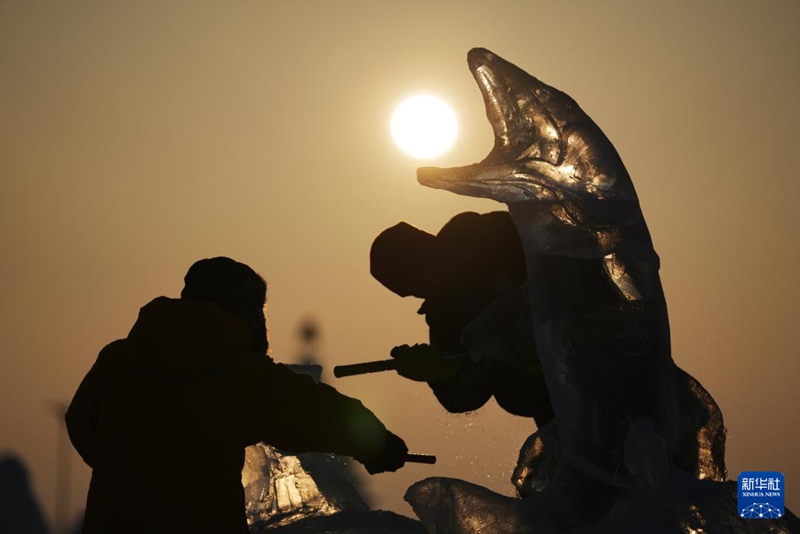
392,458
424,363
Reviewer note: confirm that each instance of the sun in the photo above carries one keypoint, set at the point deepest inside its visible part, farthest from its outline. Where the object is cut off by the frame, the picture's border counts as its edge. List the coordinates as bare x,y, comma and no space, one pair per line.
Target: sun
424,126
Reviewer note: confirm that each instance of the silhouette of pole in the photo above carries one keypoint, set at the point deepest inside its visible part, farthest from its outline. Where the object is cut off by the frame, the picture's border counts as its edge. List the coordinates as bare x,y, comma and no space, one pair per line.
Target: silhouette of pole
62,521
309,337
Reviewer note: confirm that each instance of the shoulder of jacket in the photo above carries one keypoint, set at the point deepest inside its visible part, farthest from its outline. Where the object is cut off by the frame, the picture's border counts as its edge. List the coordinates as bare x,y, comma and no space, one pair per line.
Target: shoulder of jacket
112,352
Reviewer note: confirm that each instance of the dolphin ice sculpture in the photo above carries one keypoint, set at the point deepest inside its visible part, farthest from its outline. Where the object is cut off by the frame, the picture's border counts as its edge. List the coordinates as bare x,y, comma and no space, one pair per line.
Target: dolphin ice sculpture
602,332
600,317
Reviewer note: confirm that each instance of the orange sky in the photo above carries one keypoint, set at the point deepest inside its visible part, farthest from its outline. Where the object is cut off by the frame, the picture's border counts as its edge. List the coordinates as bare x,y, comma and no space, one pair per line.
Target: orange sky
136,138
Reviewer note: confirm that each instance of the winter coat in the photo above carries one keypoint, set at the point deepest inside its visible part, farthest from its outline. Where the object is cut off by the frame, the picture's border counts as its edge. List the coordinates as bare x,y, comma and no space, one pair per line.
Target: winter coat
163,418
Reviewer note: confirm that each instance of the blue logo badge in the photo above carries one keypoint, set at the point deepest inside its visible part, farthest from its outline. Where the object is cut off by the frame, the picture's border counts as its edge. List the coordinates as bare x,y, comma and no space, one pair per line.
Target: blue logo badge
761,495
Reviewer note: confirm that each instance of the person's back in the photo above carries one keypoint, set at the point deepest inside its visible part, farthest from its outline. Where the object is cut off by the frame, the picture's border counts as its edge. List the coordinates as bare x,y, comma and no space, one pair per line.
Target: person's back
167,431
164,416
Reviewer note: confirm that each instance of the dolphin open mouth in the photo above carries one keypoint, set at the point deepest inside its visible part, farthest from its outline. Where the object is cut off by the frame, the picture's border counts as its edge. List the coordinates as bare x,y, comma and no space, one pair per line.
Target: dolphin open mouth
536,154
524,128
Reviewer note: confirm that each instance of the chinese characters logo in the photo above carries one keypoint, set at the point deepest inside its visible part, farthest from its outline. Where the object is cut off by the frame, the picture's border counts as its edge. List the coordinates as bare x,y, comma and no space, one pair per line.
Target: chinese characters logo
761,495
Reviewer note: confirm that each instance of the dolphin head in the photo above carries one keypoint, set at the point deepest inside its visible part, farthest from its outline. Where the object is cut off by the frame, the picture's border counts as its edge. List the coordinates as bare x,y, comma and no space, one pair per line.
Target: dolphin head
545,146
564,182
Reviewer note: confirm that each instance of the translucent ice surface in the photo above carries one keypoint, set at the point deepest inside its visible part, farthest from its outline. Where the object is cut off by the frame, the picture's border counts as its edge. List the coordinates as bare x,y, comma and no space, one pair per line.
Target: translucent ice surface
637,444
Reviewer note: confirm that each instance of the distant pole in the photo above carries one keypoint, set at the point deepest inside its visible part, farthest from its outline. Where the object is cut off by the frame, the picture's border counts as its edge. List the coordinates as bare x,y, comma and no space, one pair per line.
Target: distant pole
62,522
309,338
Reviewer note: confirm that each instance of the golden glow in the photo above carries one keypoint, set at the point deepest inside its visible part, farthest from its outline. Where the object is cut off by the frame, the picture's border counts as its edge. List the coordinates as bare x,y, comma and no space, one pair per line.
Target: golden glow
424,126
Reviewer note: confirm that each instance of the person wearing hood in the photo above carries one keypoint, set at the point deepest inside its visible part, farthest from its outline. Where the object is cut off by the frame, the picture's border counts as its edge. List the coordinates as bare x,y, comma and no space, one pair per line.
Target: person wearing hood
164,415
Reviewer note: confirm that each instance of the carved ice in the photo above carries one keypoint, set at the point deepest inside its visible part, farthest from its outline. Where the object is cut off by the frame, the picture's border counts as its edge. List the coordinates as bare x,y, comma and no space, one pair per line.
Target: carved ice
637,444
310,492
280,488
600,318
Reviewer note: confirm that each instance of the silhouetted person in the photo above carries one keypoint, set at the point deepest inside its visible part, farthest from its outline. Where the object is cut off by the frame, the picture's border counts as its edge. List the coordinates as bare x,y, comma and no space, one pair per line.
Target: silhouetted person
19,511
470,276
163,417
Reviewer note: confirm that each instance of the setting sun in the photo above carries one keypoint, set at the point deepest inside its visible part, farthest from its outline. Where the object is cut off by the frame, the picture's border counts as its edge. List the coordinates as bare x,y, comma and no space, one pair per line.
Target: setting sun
424,126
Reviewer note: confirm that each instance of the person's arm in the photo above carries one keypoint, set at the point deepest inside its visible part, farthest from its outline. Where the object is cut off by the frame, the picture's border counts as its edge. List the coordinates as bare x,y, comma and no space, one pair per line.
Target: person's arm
504,331
84,410
458,383
521,392
465,392
292,412
502,335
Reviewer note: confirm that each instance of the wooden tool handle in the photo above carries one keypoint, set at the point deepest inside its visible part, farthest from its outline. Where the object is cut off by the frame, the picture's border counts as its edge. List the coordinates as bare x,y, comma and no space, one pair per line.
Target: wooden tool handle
354,369
364,368
420,458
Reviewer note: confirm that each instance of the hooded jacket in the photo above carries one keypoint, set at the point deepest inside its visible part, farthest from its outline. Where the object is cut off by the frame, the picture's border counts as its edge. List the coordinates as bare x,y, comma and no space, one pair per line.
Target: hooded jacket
164,415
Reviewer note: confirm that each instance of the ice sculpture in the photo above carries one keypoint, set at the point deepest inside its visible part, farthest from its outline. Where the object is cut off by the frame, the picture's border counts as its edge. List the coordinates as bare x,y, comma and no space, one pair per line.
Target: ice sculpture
700,451
618,459
280,488
310,492
600,318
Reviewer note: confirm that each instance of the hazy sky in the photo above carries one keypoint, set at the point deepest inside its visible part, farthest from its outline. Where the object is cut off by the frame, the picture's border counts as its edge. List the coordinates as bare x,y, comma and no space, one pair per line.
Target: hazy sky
138,137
